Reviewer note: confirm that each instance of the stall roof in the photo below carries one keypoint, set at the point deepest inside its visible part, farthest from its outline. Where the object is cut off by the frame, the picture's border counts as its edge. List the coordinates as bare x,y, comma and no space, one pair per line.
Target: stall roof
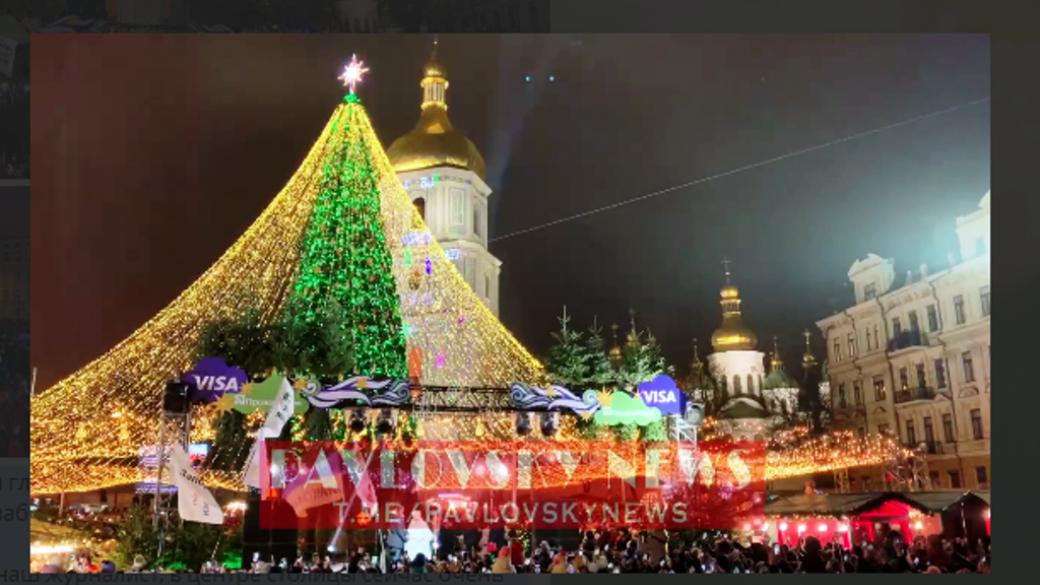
825,504
854,504
936,502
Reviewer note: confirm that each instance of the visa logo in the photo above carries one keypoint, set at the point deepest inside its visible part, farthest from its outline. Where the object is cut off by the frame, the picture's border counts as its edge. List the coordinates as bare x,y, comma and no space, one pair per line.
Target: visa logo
658,396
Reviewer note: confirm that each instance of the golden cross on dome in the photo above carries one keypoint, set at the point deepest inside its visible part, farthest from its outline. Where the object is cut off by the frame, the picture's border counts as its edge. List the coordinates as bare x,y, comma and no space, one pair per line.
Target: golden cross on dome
725,263
352,73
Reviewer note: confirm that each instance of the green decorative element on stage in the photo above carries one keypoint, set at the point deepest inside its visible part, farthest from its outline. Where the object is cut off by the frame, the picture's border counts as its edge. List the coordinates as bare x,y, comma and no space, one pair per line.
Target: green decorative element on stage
262,395
624,409
345,261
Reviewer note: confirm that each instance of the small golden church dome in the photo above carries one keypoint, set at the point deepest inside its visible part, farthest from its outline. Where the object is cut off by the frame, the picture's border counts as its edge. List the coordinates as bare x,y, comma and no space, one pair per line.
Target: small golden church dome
434,142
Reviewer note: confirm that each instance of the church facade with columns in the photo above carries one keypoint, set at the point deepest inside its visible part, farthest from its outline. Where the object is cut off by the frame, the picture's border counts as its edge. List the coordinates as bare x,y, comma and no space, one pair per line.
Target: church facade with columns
445,175
756,402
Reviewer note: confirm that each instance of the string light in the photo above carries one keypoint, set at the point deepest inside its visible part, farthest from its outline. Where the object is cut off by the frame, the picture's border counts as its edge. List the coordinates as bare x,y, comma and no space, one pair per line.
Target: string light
76,446
258,273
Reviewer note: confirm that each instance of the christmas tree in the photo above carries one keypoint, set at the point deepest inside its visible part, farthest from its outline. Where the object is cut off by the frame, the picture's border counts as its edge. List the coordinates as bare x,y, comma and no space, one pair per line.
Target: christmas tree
287,266
641,360
345,261
568,362
601,372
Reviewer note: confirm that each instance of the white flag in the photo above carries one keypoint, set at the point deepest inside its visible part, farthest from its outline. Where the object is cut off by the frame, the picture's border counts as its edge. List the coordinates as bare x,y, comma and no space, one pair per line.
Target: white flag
280,413
195,503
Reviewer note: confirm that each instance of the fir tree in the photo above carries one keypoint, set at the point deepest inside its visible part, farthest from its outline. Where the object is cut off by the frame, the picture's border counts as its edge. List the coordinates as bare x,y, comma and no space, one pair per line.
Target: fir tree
136,535
600,370
641,362
568,362
319,425
345,261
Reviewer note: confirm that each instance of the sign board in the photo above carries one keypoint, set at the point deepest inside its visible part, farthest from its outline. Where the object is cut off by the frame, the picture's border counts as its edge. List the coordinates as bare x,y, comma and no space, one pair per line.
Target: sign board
211,378
662,394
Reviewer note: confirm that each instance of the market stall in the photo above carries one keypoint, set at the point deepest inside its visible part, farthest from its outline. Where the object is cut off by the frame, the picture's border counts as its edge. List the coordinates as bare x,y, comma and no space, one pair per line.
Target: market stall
849,518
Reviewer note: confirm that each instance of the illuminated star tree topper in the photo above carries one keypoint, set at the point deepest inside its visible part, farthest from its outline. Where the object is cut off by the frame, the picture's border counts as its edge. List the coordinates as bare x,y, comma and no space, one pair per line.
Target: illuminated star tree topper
352,73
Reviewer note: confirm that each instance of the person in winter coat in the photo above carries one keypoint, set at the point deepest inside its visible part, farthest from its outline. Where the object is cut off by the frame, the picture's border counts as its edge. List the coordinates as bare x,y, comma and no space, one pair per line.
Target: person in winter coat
654,545
559,564
503,564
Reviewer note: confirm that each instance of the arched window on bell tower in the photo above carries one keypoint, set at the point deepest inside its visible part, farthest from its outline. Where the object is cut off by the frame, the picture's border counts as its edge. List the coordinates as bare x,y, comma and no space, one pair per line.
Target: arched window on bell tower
736,384
420,204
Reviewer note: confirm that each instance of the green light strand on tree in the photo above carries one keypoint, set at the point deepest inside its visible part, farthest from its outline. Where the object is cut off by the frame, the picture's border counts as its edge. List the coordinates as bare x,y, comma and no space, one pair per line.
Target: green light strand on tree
345,260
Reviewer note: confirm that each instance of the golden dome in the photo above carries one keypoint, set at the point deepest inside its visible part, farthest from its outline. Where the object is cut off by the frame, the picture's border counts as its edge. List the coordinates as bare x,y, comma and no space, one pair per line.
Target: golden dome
433,142
732,336
733,339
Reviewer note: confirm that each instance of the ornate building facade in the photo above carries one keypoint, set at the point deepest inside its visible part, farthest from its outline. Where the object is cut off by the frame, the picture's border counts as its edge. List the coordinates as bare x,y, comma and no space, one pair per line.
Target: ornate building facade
913,360
444,174
753,403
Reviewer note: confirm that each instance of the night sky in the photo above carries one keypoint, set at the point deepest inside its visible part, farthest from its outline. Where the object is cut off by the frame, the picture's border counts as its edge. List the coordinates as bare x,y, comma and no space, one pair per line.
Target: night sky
152,154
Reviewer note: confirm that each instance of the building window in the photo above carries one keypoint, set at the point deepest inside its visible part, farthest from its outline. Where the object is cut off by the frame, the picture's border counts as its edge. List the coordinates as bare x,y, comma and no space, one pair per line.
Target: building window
984,297
841,395
736,385
980,475
877,337
882,429
929,431
420,204
879,388
457,207
750,384
934,477
933,319
870,292
852,345
487,285
914,325
948,428
958,309
904,379
922,381
897,326
911,433
976,424
969,368
478,225
955,479
837,349
868,339
857,394
940,374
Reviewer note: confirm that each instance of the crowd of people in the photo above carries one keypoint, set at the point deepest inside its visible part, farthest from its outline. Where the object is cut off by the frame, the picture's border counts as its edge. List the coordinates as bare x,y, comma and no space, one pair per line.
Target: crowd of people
625,551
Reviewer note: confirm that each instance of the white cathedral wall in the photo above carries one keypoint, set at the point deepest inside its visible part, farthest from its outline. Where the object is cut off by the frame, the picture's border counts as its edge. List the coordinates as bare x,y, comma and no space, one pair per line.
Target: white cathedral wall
742,364
456,203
